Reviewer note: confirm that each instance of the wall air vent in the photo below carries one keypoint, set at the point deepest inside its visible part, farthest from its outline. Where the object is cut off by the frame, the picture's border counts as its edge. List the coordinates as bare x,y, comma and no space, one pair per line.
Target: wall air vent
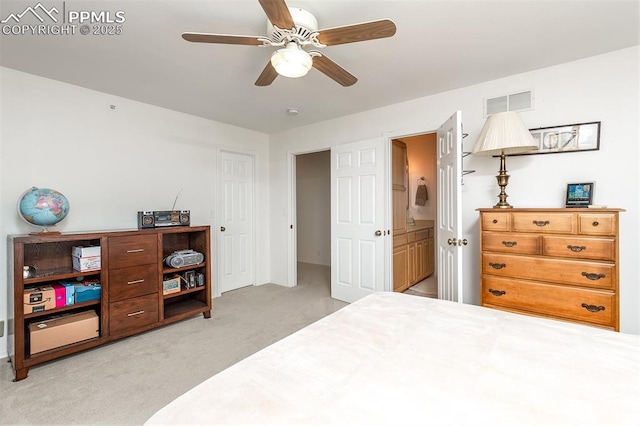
521,101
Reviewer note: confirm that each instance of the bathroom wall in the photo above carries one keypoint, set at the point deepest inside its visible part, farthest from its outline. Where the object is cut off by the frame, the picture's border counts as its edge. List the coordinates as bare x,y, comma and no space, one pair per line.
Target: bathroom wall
421,153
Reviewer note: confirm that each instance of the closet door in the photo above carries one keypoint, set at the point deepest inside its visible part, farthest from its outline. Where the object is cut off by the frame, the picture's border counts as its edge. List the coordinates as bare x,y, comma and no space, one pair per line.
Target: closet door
235,235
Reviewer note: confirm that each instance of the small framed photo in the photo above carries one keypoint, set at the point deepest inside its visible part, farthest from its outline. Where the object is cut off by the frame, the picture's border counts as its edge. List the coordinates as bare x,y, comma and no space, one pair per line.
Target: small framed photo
580,194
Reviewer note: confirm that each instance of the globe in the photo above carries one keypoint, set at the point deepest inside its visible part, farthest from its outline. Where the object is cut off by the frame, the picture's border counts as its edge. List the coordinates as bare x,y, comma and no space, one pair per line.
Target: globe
43,207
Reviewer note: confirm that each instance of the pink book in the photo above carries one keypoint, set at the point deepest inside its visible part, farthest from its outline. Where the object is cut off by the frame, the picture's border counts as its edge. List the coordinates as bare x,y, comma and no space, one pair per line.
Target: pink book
61,295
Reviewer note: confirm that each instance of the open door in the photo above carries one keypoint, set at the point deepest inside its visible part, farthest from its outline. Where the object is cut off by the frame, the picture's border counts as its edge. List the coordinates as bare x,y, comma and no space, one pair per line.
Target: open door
357,220
449,220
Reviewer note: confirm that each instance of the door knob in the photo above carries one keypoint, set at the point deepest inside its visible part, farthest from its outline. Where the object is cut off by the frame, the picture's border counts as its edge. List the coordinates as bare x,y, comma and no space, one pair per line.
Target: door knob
222,229
457,242
378,233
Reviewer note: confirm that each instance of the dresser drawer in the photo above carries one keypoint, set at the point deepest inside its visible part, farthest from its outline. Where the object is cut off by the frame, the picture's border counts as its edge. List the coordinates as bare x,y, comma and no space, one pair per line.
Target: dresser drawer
511,243
544,222
571,272
128,316
125,283
133,250
495,221
592,306
579,248
597,223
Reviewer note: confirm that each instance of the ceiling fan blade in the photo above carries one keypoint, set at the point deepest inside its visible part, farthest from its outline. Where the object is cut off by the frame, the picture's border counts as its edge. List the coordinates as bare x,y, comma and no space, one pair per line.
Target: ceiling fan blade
222,38
267,76
333,70
278,13
357,32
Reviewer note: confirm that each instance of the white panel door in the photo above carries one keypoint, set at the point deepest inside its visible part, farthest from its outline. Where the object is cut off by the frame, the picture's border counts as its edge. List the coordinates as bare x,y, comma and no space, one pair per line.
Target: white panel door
235,235
357,220
449,218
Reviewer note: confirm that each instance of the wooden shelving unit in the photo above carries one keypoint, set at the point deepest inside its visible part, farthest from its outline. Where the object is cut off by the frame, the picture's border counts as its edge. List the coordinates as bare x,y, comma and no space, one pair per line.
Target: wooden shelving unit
131,274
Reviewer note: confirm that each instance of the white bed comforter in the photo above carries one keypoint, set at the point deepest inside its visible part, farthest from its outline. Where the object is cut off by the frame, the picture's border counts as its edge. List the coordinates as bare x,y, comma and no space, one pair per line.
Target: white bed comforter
394,359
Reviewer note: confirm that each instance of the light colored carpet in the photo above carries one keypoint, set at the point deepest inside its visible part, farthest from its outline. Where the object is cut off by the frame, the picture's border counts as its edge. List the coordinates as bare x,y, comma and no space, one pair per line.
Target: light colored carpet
125,382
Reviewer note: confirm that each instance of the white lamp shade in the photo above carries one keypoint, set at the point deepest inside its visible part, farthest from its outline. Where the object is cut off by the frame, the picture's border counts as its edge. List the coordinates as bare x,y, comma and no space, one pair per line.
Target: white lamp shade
504,132
291,61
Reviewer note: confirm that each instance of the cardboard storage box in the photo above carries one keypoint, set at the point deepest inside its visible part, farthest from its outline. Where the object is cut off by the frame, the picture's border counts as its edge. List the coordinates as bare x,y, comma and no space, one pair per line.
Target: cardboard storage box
39,299
171,285
64,330
86,263
91,251
86,291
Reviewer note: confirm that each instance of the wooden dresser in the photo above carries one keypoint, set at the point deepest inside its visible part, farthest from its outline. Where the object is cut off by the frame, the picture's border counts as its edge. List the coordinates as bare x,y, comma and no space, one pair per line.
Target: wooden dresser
556,263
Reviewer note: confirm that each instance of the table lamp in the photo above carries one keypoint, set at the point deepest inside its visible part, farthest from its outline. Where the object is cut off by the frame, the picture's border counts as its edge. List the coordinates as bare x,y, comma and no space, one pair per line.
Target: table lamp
503,134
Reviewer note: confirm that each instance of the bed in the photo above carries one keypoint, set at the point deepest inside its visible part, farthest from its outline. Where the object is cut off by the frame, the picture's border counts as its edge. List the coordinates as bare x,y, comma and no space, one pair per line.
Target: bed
395,359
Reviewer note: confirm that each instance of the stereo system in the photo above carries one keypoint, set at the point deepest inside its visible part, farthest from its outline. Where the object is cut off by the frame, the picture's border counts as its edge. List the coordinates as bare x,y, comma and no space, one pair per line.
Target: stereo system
181,258
157,219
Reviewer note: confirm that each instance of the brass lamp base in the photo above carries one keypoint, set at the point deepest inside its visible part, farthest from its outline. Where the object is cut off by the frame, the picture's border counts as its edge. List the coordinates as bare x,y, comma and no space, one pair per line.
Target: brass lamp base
503,180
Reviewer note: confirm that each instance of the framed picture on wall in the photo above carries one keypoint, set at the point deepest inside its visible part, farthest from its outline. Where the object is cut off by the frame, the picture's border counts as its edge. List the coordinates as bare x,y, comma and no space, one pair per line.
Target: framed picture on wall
568,138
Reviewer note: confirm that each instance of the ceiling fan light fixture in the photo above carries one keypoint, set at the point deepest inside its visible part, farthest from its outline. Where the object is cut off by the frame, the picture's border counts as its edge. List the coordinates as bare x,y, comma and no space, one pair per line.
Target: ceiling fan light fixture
291,61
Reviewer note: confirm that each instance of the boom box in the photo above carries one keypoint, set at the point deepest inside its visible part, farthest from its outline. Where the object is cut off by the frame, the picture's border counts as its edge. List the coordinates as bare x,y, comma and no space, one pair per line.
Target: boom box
157,219
181,258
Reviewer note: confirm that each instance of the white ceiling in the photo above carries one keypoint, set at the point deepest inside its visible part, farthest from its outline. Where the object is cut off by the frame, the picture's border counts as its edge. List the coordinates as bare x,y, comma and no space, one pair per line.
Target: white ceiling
439,46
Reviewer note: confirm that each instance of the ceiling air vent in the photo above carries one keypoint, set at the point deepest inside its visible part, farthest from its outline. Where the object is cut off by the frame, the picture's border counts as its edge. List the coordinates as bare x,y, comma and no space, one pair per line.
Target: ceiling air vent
521,101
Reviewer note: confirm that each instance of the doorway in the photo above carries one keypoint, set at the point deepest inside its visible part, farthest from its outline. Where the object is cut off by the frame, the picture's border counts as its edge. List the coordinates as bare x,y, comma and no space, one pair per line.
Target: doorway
414,200
311,225
313,218
361,261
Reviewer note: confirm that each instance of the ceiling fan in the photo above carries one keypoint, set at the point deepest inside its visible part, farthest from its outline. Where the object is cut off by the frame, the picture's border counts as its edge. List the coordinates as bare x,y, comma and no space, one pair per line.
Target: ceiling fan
293,30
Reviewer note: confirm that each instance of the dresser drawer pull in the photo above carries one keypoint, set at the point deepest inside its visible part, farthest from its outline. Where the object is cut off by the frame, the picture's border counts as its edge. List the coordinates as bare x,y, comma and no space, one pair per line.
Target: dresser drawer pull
541,222
135,282
135,251
576,249
498,265
510,243
497,292
592,276
133,314
494,221
592,308
595,223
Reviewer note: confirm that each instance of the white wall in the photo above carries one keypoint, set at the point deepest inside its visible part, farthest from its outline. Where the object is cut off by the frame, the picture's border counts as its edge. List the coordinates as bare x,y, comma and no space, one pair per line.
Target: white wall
313,207
421,154
111,163
601,88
